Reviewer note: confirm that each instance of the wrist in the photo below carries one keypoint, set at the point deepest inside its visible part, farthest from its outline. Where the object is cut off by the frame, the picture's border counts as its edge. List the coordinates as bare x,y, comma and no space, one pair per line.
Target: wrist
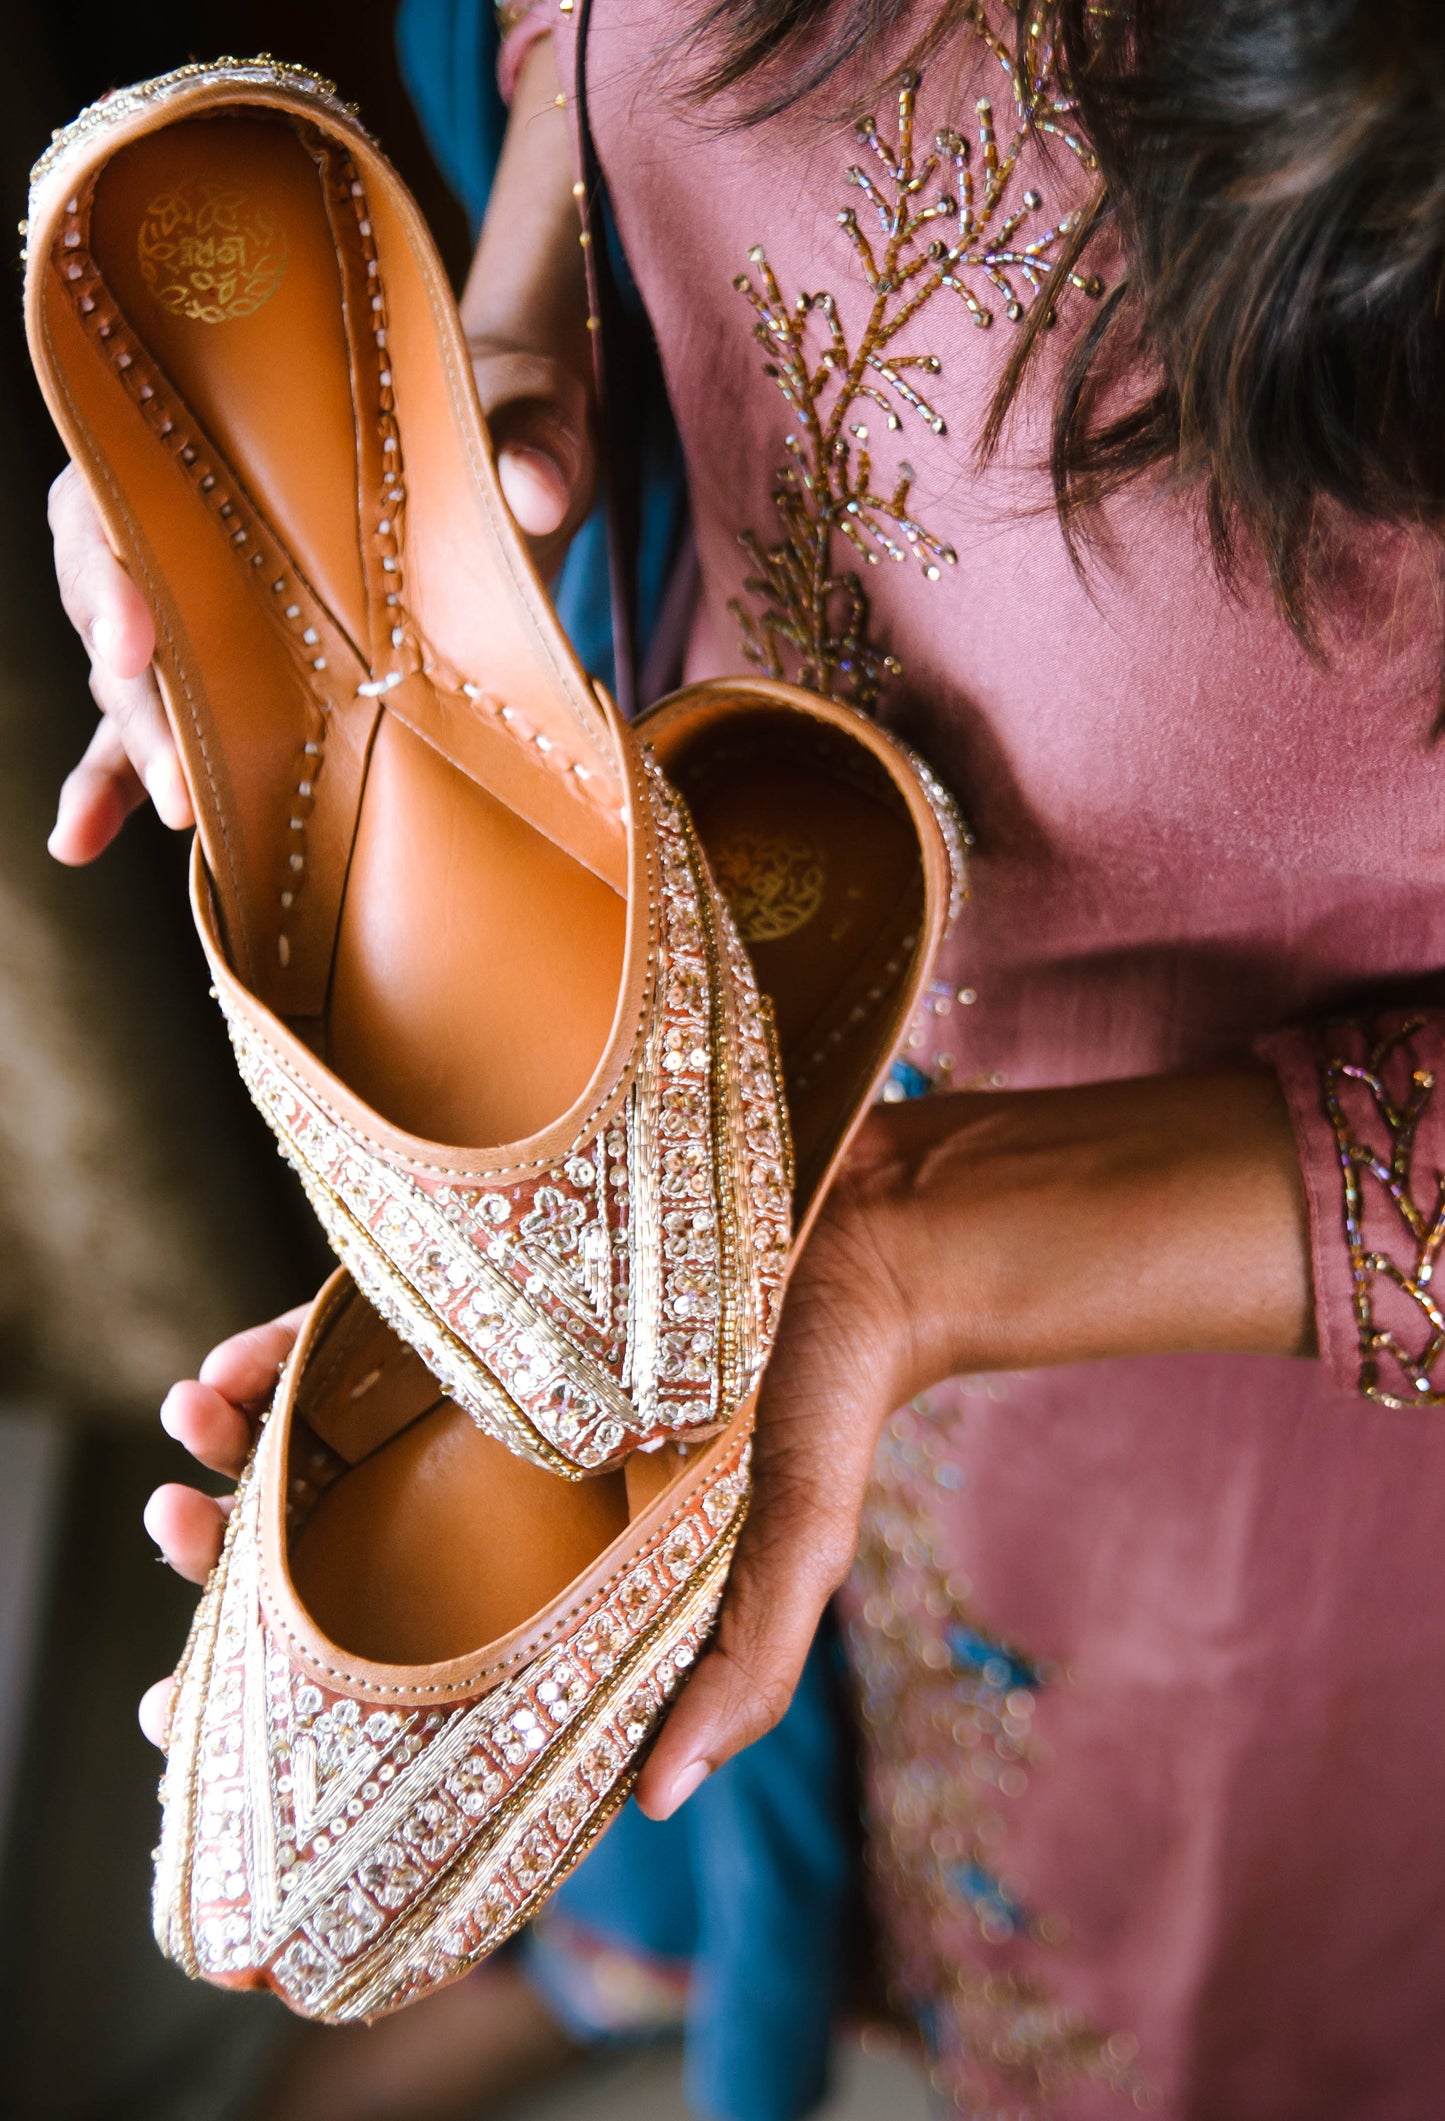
1034,1228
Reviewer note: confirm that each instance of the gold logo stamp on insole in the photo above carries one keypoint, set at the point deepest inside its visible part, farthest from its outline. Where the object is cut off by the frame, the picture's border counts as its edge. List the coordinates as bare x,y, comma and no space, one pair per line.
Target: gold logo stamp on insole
207,252
773,883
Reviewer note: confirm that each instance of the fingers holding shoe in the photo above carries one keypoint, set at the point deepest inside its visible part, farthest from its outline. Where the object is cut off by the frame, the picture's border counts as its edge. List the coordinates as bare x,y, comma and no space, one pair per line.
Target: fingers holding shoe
839,1368
132,754
215,1417
154,1711
538,416
188,1527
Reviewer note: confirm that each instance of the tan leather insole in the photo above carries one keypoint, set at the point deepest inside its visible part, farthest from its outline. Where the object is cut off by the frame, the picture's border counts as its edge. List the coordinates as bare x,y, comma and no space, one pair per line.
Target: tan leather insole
823,877
272,387
477,964
443,1540
435,1541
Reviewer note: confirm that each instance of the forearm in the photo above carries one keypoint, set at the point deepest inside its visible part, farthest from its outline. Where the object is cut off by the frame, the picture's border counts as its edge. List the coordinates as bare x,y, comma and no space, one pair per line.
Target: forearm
527,286
1039,1227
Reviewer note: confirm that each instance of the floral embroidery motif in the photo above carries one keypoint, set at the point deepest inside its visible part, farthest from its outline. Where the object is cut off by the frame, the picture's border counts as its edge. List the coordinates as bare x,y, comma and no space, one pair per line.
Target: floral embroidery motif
1375,1104
947,219
773,882
948,1716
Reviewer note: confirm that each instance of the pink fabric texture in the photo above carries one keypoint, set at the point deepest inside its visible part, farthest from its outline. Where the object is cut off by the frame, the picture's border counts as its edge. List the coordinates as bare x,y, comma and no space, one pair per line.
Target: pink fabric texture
1150,1655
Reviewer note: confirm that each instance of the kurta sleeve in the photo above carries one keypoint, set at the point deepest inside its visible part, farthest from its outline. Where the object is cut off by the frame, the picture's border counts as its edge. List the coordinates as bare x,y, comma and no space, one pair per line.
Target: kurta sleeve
1367,1102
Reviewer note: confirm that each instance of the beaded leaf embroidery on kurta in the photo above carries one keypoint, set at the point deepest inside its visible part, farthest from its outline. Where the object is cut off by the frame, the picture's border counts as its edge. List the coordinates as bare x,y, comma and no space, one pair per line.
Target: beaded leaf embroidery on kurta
953,217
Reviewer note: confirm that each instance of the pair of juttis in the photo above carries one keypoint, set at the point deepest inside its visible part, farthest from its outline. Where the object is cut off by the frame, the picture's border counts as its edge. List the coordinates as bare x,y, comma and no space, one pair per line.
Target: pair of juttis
564,1023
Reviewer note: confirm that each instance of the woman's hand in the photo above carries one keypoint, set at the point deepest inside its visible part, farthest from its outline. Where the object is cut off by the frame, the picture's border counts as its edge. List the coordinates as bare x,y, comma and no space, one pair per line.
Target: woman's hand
977,1231
539,415
537,411
984,1231
215,1416
132,753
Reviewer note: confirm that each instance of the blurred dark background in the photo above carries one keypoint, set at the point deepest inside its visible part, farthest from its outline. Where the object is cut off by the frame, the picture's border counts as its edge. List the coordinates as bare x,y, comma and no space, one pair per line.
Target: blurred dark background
143,1212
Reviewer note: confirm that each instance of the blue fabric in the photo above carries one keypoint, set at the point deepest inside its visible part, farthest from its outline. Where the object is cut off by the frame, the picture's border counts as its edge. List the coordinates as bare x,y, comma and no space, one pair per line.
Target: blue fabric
754,1881
448,56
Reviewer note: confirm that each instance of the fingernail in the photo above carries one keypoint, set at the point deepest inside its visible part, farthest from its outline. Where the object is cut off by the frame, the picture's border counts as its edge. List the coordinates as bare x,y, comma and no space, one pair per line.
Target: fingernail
102,639
166,787
61,806
534,488
171,1416
685,1785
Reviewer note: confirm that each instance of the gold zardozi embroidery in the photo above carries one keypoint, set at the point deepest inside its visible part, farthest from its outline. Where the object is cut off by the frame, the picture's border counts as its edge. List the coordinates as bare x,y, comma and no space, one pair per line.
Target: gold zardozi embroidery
1384,1171
362,1851
948,219
773,882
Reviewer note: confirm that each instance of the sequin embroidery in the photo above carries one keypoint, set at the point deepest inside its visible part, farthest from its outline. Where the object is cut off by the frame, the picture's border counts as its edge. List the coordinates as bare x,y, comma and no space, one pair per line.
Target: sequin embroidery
948,218
361,1854
1375,1093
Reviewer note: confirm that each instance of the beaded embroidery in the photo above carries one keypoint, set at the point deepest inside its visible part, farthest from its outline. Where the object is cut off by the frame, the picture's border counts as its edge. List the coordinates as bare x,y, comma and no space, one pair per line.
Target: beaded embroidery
948,1715
362,1854
262,71
1375,1103
947,219
633,1289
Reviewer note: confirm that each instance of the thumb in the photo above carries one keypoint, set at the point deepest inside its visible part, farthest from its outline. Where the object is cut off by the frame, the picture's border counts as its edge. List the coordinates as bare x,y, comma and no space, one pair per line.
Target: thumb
780,1584
537,479
840,1365
537,414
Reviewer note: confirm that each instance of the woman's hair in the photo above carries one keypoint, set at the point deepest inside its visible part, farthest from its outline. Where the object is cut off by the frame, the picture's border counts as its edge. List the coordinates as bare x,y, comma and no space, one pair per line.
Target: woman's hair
1275,170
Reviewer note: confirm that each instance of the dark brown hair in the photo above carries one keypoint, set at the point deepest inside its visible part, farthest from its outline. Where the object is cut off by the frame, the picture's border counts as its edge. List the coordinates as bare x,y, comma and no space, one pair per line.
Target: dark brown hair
1275,170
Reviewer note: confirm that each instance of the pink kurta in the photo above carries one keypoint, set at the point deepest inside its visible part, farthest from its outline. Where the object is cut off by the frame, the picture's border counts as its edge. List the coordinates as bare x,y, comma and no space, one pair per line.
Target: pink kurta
1151,1654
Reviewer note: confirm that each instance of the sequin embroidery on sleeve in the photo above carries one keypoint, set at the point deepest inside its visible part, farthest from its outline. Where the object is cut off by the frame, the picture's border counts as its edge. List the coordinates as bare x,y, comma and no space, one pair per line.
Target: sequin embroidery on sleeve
1375,1092
950,217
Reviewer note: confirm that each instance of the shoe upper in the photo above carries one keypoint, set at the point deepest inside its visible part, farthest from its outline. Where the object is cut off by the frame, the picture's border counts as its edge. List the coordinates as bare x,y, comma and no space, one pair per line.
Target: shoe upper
619,1284
353,1834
